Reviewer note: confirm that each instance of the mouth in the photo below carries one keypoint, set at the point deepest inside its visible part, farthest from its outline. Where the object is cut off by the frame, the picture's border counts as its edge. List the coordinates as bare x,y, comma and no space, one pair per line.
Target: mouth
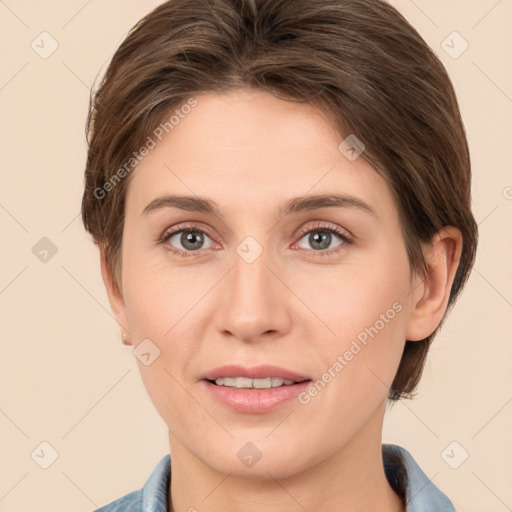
255,389
256,377
247,383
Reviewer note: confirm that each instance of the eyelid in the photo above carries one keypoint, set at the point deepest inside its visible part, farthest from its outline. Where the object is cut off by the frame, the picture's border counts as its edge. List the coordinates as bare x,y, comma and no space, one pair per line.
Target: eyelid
345,235
184,226
327,226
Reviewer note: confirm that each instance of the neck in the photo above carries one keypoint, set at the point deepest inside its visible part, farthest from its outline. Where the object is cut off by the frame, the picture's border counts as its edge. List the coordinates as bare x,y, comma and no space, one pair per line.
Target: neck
352,479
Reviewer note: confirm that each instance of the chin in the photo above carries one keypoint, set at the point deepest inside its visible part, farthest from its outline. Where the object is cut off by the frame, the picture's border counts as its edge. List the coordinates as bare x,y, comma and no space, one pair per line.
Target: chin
260,459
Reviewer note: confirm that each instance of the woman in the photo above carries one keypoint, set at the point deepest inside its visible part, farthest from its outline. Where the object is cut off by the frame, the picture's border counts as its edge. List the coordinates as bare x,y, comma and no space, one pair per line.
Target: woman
280,192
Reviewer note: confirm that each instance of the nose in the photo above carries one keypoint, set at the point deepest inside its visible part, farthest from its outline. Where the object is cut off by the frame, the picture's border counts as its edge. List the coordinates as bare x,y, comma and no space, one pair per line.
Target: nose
254,302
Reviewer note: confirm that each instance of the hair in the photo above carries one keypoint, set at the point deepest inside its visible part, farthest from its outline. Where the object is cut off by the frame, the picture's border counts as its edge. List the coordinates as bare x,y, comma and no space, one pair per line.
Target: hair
359,62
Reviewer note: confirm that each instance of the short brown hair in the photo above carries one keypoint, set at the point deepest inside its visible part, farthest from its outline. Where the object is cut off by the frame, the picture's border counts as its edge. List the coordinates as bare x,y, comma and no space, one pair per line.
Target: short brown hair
357,61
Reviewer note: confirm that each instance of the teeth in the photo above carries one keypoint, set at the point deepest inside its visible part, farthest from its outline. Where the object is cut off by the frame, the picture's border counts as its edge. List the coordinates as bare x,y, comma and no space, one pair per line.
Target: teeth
244,382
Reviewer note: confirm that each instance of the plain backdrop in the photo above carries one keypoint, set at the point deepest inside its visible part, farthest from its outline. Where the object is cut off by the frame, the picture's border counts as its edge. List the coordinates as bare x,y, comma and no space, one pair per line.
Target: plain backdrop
65,378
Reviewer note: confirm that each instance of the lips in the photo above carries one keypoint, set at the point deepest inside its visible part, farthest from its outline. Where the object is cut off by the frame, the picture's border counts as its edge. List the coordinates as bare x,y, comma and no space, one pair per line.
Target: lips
254,372
253,399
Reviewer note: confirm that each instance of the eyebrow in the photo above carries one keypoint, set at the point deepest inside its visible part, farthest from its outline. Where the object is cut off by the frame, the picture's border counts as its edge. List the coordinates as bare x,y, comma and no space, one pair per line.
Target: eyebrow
294,205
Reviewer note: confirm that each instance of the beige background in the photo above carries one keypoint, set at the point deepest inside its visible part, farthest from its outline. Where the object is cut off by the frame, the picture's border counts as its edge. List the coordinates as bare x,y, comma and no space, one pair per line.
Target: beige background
65,378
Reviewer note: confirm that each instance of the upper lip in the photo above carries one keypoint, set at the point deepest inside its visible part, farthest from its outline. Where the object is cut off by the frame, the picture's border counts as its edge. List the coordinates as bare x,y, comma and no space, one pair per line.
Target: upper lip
253,372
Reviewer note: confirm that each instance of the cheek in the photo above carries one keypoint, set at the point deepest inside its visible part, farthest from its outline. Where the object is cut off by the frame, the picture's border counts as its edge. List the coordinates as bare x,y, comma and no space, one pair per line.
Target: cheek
364,313
160,305
357,363
358,296
157,296
165,304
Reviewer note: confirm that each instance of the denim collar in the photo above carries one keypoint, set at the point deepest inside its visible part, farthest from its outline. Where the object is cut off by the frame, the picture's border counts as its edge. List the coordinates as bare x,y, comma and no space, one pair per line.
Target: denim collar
402,471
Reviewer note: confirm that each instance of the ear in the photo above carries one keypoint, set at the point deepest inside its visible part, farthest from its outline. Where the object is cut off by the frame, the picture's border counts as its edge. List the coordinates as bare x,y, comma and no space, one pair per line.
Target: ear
115,295
430,295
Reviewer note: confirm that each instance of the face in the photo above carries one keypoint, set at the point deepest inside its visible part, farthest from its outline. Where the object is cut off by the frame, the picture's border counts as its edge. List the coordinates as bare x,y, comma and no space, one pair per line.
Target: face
269,276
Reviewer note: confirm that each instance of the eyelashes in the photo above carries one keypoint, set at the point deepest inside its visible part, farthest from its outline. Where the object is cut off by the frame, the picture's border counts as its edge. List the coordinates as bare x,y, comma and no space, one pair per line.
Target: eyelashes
169,235
345,238
331,230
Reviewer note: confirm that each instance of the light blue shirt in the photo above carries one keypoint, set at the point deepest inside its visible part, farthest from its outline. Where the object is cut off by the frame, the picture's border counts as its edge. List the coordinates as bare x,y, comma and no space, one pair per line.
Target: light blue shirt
400,467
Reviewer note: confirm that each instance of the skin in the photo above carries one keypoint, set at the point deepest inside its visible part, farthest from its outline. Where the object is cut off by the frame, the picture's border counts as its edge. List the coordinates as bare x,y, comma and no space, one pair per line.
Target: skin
293,307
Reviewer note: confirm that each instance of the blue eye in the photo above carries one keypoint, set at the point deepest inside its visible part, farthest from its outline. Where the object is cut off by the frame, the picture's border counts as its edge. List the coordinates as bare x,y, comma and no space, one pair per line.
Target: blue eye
320,239
192,240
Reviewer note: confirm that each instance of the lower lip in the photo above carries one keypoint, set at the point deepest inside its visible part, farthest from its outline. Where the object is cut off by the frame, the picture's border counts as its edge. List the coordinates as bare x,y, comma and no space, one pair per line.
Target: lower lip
255,400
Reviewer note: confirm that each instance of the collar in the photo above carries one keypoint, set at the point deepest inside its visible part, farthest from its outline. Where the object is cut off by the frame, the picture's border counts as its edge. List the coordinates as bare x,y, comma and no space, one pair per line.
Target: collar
408,479
402,471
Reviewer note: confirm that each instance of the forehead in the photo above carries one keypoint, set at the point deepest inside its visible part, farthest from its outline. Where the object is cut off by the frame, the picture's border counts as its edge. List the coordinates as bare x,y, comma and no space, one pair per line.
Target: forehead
250,148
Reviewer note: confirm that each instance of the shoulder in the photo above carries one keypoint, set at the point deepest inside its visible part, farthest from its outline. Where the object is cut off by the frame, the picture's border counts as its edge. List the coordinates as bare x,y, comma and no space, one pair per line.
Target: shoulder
152,497
406,477
130,502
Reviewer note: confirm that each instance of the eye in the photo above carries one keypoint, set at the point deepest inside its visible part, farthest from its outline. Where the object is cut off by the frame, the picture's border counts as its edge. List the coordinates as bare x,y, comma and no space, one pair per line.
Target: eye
190,240
186,241
320,238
